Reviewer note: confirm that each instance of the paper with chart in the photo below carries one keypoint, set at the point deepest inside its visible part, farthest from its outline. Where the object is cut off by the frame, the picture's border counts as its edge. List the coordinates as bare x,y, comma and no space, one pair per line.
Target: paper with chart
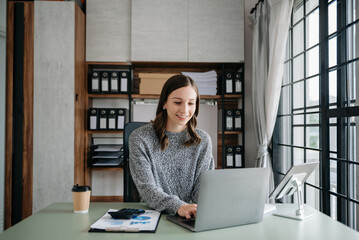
144,222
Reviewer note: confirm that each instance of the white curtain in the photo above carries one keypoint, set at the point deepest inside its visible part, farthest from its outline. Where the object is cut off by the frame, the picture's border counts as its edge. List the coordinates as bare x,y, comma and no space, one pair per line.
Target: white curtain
270,31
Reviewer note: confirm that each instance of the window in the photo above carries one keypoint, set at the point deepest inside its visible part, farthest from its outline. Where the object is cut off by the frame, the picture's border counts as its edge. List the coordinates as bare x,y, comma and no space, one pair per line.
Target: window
318,111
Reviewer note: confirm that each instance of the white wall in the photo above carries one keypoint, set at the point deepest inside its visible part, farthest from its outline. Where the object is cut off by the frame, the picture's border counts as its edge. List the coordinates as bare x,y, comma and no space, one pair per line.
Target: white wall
2,107
250,140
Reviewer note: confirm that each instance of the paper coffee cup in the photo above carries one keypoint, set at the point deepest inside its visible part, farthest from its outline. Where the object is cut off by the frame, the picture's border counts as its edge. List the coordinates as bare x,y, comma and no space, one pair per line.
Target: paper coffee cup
81,198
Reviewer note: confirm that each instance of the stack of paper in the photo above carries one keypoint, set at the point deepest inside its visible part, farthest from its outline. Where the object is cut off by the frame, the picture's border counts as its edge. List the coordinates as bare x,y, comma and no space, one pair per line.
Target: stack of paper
206,81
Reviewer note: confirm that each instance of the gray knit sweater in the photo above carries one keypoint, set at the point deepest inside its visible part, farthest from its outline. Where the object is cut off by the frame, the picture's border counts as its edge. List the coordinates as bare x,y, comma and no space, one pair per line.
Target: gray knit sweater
170,178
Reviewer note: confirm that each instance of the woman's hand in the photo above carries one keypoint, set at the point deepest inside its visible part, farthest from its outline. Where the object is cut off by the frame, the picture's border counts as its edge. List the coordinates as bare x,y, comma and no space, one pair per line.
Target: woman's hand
187,210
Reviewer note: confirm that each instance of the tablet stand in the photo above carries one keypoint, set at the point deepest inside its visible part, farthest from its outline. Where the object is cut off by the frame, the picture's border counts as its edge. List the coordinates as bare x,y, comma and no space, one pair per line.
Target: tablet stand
293,183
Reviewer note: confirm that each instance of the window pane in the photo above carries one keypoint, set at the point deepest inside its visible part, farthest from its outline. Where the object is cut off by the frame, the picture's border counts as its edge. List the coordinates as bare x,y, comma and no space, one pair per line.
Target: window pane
285,102
353,74
332,45
298,68
312,137
333,207
333,87
333,138
312,29
298,119
310,5
353,41
285,126
312,196
354,181
298,136
312,118
354,216
352,10
288,46
298,156
312,98
287,73
353,136
313,156
333,176
332,17
298,35
312,61
297,10
283,155
298,95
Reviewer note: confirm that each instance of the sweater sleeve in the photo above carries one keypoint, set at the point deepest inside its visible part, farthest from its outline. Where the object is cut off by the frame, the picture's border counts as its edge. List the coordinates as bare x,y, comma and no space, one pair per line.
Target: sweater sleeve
205,162
141,171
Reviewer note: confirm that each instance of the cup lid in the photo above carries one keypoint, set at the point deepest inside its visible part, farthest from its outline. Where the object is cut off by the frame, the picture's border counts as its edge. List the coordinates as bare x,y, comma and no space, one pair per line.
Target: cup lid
77,188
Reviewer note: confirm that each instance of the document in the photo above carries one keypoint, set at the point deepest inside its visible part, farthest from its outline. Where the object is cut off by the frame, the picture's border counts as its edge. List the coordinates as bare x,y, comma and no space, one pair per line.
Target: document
146,222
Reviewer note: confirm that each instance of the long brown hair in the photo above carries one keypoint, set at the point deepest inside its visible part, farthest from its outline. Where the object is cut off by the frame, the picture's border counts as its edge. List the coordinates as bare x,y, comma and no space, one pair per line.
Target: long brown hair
159,124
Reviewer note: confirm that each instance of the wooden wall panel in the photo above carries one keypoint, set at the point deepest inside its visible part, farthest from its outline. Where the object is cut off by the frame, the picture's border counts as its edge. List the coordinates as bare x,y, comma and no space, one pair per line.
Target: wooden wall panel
27,127
80,97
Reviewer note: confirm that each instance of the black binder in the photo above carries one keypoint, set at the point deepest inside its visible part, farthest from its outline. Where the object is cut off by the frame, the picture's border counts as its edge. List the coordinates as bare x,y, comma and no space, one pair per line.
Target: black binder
229,120
122,118
105,82
103,123
238,159
114,86
124,79
229,83
94,82
93,119
238,119
238,82
229,157
112,119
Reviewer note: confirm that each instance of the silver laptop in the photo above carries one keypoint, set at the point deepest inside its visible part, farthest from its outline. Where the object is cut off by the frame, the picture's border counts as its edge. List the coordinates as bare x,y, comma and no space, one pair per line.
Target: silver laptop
228,197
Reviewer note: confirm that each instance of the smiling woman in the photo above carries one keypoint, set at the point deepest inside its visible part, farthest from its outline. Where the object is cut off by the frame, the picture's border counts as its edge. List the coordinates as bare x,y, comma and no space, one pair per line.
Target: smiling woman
168,155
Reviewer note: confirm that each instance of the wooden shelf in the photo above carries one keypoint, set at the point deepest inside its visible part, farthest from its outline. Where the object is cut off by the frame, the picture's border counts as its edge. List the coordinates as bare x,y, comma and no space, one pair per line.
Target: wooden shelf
104,131
155,96
233,96
110,63
106,168
95,95
230,132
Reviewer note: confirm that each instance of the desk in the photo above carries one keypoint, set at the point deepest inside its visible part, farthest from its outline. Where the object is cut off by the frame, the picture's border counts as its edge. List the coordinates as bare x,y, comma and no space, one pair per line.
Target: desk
58,221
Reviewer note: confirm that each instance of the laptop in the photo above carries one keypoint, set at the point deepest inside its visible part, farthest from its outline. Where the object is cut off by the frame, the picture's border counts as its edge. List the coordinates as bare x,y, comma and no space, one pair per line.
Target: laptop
228,197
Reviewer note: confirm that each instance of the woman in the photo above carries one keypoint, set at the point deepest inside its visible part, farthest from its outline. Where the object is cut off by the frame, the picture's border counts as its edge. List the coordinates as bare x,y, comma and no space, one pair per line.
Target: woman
168,155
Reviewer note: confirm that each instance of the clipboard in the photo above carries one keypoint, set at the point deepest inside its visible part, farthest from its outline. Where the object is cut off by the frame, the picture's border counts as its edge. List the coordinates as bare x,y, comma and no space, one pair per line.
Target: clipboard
146,222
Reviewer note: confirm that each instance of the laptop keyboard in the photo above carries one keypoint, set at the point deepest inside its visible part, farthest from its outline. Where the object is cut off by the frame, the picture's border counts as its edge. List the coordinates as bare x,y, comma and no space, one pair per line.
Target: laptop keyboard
190,222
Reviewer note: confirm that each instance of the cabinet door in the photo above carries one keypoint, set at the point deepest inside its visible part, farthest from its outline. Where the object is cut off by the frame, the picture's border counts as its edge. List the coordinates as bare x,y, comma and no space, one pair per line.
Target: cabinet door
159,30
108,30
216,31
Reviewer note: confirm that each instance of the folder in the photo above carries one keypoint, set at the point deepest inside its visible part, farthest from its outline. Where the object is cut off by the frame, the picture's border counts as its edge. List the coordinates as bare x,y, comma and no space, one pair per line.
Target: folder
146,223
238,156
229,83
229,156
238,120
105,82
229,120
238,82
114,87
94,83
93,118
103,119
124,78
122,118
111,119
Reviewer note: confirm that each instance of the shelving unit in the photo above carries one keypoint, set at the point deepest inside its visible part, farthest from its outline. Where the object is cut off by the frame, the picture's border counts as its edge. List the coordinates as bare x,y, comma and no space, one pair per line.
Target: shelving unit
223,101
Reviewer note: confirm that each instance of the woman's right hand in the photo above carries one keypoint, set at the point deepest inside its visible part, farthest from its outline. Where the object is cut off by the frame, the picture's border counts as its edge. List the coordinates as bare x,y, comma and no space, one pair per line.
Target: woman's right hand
187,210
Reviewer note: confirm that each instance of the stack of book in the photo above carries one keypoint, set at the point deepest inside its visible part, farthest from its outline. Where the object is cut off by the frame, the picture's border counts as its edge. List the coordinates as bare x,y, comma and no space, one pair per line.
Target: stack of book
106,155
206,81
